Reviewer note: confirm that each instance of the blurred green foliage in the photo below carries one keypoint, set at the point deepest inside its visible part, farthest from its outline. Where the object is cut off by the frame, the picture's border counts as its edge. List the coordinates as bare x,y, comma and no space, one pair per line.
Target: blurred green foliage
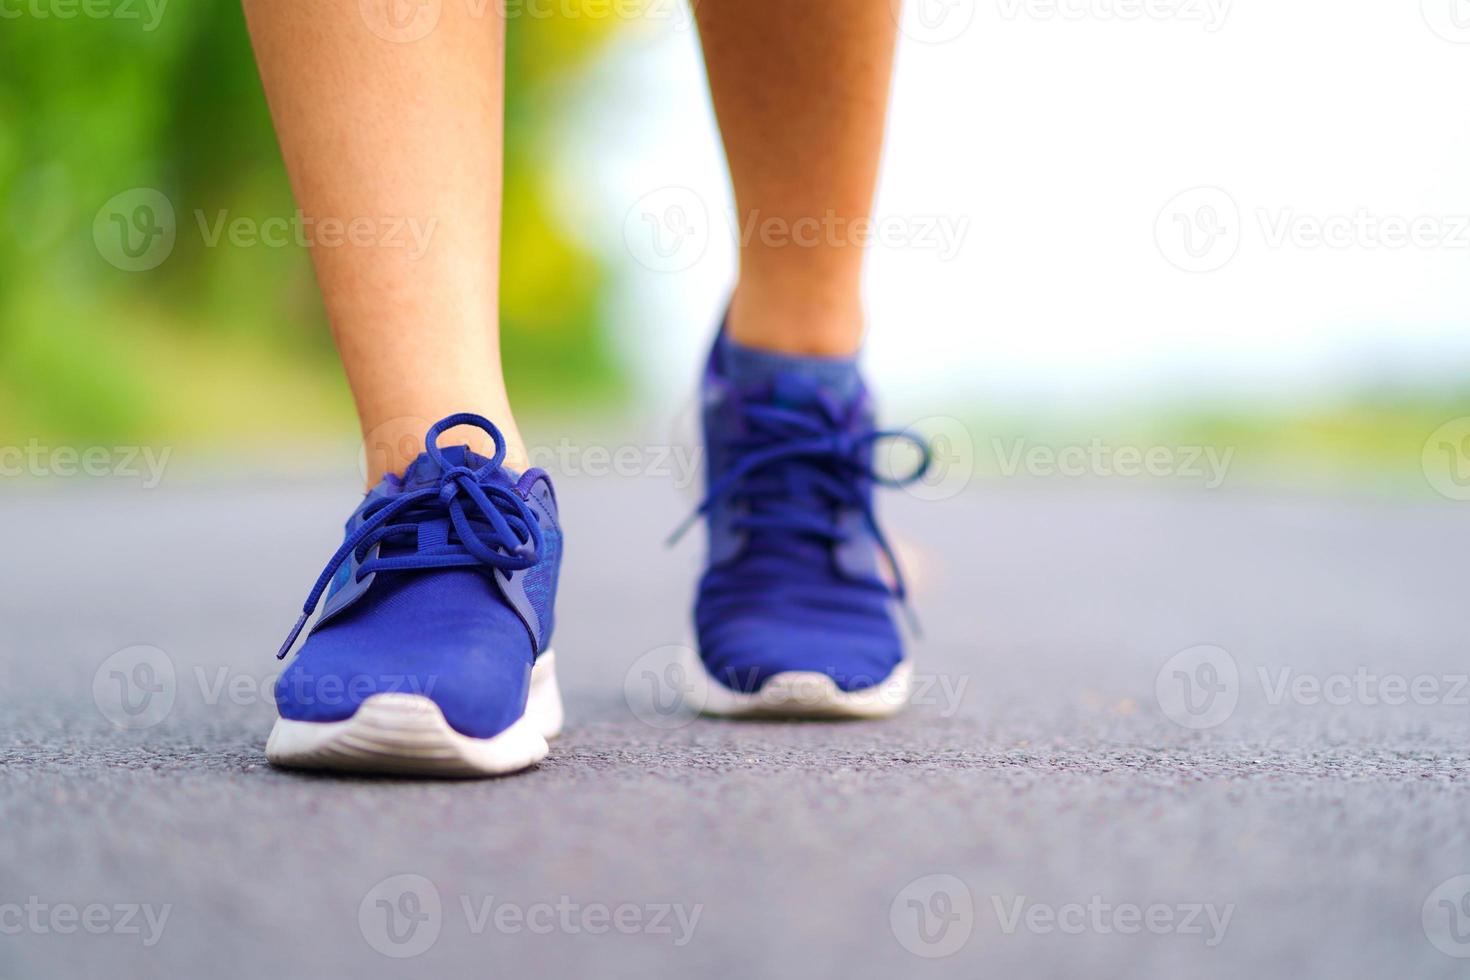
223,344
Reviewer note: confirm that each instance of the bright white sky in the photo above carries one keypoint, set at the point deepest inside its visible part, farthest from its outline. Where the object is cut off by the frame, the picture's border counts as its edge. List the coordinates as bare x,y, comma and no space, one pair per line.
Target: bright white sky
1051,140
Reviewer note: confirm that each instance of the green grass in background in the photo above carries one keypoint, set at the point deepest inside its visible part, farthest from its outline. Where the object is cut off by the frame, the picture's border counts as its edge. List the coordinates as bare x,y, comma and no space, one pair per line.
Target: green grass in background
1367,441
227,346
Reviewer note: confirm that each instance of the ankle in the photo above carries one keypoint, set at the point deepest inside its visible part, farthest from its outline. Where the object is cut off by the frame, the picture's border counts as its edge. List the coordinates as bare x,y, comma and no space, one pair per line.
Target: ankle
391,445
795,321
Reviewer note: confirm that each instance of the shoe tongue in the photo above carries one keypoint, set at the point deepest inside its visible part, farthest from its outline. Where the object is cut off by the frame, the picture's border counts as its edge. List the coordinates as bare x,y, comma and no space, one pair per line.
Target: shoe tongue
792,390
424,472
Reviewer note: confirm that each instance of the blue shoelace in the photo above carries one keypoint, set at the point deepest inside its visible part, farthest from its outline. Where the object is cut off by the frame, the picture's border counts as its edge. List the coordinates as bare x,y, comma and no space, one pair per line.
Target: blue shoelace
493,527
784,446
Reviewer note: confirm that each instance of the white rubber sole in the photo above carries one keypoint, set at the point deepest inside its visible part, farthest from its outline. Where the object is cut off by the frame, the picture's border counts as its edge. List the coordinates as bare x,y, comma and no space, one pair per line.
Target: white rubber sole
797,694
406,734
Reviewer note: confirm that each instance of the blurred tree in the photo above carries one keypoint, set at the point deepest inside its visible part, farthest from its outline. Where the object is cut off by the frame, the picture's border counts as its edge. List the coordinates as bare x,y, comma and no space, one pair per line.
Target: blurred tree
217,341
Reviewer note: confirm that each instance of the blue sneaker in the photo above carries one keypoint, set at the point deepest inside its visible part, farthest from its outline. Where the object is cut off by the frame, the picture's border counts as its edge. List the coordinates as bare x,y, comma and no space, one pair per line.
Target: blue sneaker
793,617
431,653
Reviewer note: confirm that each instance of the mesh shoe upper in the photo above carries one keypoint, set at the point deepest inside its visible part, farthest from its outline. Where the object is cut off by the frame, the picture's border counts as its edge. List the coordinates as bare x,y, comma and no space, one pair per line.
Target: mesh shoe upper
444,587
793,582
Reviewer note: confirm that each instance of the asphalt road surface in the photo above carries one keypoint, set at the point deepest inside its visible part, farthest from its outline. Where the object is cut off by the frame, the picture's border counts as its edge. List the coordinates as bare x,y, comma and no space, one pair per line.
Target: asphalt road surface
1159,731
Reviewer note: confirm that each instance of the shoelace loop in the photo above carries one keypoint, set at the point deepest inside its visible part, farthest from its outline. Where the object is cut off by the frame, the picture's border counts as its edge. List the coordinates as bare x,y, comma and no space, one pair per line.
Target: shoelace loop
835,462
494,526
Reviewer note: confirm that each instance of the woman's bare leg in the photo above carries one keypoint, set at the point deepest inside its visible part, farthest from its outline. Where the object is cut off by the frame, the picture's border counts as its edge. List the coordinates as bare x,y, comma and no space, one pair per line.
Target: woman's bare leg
801,93
384,132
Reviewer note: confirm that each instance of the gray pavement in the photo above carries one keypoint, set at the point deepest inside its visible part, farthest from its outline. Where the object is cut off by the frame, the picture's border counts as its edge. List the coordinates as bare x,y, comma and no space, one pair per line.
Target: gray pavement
1054,807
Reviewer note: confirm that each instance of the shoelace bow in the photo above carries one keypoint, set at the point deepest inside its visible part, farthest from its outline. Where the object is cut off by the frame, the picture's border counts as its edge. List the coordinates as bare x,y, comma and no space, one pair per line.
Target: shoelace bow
496,530
837,463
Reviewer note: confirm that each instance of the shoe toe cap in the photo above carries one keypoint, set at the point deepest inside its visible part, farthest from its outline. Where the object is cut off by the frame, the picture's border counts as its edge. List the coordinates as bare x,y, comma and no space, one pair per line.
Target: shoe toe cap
744,653
475,666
